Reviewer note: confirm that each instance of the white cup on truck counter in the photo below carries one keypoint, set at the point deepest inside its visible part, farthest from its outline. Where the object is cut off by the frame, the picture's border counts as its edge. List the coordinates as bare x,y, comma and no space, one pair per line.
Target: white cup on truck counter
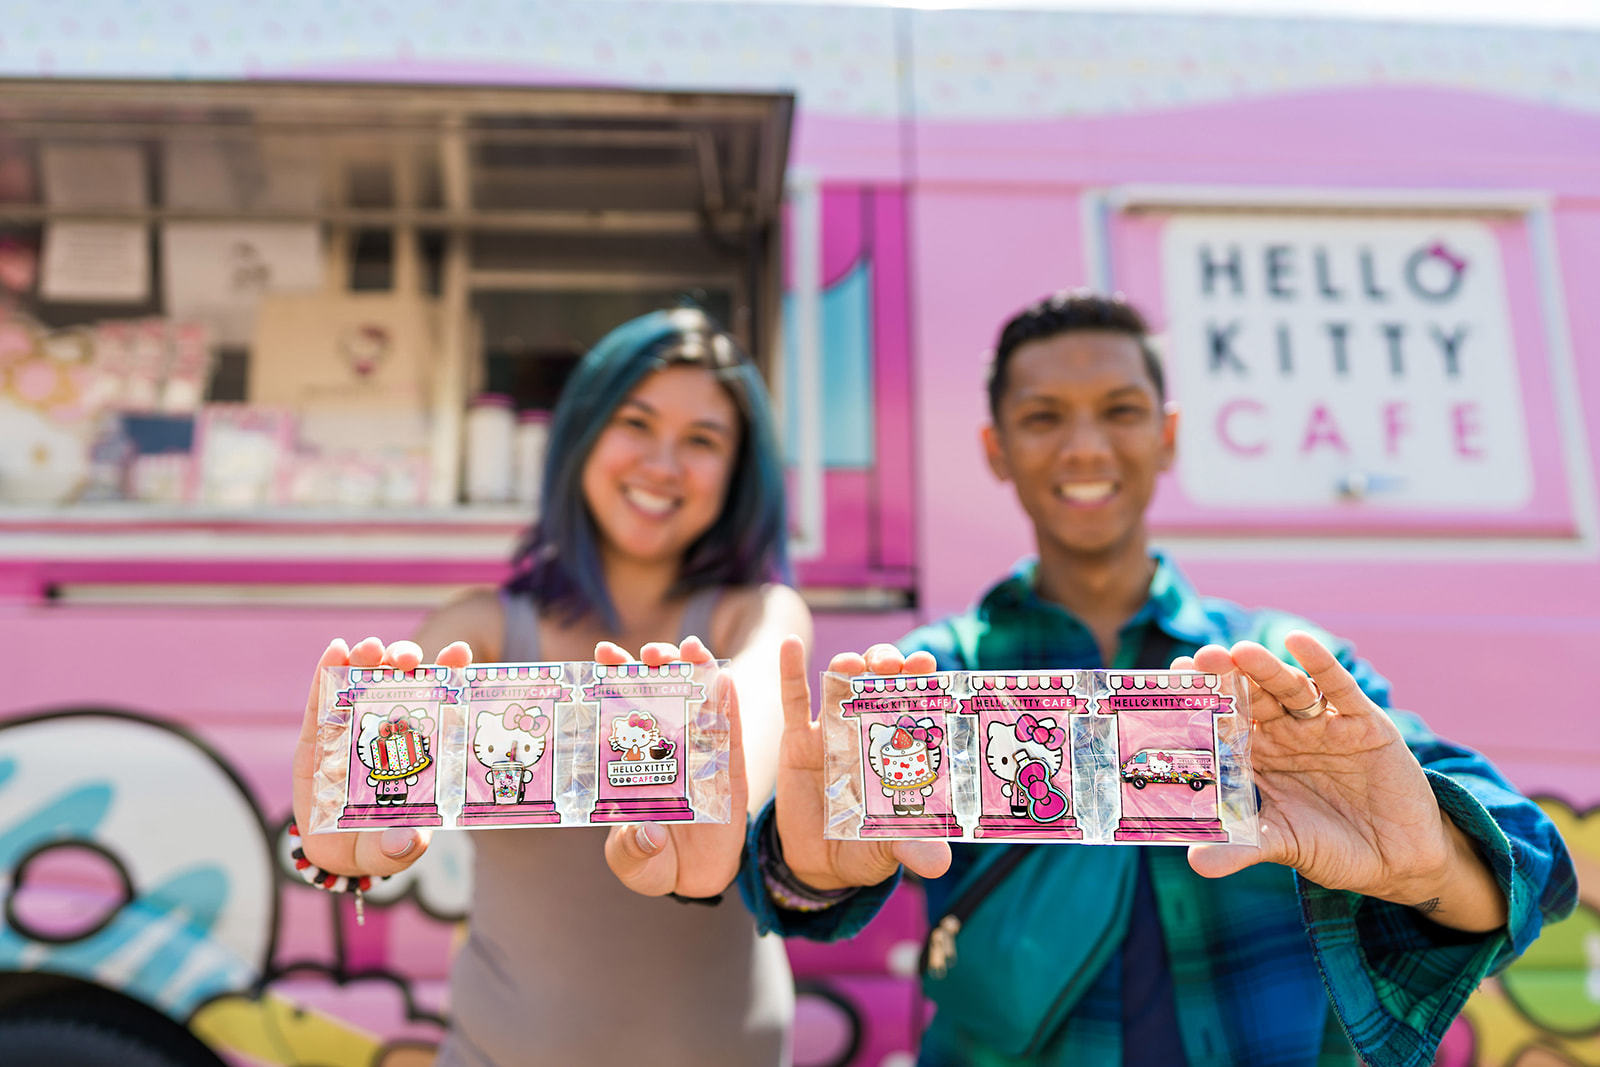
490,423
533,434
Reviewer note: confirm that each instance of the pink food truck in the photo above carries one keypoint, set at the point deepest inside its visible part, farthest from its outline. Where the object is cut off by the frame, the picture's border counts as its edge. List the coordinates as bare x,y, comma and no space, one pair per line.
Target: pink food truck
1172,766
285,292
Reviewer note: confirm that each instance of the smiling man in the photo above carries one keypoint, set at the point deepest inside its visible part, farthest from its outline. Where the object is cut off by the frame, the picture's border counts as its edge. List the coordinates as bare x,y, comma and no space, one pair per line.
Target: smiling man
1395,869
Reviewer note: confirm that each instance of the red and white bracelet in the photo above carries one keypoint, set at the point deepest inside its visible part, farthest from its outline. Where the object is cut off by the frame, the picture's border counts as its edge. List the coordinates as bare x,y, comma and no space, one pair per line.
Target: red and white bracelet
327,880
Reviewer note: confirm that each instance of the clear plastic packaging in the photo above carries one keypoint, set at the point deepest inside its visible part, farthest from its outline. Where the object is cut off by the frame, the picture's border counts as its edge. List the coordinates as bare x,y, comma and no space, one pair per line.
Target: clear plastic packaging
1095,757
520,744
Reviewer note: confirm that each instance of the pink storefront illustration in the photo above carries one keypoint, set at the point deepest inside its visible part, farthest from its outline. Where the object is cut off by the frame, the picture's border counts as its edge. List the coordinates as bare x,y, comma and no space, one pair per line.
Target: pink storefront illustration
509,777
1167,754
901,723
644,716
394,736
1024,731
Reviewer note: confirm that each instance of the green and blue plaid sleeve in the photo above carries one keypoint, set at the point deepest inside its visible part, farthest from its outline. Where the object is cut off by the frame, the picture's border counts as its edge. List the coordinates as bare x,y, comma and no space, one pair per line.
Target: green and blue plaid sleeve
845,919
1396,979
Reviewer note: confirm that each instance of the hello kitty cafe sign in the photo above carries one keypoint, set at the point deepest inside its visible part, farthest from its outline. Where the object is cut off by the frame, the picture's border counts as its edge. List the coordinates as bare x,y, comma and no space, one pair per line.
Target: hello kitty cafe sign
1320,358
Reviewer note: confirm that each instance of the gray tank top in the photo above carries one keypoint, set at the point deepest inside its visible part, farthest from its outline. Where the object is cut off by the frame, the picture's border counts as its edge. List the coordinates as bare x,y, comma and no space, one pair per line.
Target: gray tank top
564,965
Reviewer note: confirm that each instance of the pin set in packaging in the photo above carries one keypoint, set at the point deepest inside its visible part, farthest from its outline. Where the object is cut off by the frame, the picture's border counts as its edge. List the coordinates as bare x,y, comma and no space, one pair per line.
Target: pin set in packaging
520,744
1098,757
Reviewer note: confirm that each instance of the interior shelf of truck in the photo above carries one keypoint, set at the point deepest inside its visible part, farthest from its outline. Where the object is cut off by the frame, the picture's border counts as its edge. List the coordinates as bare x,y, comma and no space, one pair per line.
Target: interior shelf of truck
358,263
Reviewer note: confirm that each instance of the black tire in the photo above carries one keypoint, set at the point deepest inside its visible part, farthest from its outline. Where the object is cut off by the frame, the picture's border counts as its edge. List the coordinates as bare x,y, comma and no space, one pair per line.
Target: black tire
51,1042
1138,782
1197,784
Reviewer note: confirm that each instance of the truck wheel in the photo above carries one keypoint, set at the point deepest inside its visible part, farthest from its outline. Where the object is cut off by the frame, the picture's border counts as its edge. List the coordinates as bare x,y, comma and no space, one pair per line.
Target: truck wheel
51,1042
1197,784
1138,781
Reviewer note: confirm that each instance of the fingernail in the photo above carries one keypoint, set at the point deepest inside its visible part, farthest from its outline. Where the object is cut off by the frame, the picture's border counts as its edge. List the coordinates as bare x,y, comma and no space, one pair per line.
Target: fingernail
649,843
397,842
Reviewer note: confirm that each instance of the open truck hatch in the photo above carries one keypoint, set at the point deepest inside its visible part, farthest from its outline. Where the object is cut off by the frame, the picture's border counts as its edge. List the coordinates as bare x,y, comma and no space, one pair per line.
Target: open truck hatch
528,220
676,187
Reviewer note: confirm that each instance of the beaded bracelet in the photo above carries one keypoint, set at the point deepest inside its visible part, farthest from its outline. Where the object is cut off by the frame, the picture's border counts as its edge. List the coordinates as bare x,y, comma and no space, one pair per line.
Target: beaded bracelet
710,902
334,883
784,886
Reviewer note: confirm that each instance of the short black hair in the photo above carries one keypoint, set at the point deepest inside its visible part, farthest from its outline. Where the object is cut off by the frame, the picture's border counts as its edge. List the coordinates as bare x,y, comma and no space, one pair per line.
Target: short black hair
1068,312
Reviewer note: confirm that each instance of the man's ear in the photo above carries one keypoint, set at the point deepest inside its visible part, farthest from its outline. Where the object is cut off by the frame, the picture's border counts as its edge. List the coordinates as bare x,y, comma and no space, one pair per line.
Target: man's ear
995,454
1169,435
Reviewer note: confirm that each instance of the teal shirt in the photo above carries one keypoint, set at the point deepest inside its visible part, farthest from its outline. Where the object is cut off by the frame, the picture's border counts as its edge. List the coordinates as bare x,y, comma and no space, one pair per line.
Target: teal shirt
1267,967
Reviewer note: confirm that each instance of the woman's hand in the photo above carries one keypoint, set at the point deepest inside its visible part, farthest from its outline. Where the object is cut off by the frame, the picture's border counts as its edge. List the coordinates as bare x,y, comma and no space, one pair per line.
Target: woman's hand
1343,800
689,859
374,853
816,861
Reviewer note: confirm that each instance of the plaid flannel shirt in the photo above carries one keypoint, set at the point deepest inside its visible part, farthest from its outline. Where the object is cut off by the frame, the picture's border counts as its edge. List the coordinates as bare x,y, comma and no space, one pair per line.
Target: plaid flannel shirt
1267,968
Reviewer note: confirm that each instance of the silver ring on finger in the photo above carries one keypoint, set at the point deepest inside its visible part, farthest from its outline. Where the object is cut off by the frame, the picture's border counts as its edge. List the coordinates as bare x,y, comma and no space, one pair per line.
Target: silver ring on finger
1312,710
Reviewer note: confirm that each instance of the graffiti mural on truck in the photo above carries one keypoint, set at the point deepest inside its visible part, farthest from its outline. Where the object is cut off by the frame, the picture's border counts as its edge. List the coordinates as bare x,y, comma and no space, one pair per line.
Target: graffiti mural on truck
134,857
1544,1010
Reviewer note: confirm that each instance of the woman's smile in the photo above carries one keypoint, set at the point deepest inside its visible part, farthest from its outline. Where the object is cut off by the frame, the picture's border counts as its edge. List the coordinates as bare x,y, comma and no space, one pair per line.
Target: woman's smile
654,504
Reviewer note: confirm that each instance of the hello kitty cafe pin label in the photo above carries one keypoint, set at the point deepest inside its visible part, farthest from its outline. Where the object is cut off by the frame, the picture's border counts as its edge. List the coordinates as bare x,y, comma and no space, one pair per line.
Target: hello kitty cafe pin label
1024,729
641,741
394,741
511,743
904,751
1167,753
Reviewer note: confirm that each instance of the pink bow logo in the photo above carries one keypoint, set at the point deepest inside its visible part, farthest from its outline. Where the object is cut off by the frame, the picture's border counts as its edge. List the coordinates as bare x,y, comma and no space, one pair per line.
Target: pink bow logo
518,719
638,721
1030,729
1456,262
928,735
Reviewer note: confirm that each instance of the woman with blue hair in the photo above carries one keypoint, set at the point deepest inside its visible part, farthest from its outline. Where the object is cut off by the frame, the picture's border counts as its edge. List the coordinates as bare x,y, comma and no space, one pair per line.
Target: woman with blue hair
664,518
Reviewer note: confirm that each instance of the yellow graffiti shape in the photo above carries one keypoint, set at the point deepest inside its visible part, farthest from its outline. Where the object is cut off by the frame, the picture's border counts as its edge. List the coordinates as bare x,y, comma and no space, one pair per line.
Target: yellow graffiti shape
1544,1010
273,1030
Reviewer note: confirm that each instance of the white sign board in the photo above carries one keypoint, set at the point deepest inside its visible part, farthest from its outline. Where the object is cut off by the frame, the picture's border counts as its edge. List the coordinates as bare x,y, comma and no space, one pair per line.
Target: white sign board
95,262
1317,358
216,273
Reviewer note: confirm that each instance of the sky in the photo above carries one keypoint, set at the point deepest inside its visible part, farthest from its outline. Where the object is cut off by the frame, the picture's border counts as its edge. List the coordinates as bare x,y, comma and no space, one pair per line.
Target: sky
1584,13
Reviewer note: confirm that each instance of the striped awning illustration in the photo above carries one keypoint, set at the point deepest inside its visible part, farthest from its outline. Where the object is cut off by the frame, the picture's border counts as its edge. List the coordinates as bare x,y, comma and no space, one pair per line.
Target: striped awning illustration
900,683
369,675
1171,680
1023,681
515,672
639,670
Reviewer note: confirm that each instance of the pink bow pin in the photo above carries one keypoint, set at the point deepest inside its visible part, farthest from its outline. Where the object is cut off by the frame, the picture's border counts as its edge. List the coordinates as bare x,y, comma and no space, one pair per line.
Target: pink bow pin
1030,729
928,735
399,723
636,721
517,719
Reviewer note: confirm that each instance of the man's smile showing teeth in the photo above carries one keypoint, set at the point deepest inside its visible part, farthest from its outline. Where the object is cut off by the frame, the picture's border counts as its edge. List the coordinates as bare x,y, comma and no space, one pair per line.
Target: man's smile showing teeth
648,502
1086,492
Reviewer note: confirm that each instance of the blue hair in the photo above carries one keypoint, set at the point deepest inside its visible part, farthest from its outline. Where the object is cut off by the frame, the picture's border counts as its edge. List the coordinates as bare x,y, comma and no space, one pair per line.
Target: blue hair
558,562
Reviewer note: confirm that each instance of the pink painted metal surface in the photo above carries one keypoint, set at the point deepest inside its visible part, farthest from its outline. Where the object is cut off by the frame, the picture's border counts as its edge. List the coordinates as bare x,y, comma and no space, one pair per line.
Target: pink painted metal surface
977,209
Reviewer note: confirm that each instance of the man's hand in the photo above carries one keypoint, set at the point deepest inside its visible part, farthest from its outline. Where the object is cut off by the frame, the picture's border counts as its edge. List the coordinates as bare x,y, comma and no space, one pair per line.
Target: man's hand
820,863
1343,800
690,859
374,853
